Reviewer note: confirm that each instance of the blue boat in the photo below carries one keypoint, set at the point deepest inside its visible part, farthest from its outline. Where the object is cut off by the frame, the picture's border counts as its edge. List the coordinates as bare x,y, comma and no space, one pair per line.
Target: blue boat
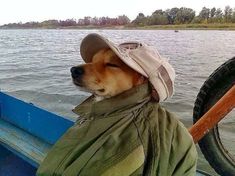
26,135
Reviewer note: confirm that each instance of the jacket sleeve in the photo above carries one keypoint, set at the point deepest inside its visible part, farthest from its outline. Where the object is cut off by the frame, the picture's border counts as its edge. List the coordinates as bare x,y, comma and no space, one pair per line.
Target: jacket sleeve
183,153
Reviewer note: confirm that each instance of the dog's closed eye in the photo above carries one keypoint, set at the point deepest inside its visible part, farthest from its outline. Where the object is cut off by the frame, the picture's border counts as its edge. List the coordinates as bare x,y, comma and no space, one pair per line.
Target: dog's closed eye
112,65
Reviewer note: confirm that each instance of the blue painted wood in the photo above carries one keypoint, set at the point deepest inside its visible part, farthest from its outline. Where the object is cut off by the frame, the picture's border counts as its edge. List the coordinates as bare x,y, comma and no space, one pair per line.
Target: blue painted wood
38,122
3,153
29,131
25,145
11,165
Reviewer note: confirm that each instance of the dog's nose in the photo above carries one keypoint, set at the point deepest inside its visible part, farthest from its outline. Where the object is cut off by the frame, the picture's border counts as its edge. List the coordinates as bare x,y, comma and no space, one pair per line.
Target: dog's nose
77,71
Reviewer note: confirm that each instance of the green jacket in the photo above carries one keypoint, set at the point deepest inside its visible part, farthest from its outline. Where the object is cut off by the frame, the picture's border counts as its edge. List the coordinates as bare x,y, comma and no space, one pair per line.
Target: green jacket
124,135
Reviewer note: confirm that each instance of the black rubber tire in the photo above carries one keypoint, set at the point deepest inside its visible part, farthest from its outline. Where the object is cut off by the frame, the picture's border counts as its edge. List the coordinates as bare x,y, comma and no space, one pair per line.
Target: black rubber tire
219,82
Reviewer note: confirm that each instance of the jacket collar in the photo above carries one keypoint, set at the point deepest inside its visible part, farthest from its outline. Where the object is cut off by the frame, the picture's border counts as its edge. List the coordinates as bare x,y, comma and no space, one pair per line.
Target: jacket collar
90,109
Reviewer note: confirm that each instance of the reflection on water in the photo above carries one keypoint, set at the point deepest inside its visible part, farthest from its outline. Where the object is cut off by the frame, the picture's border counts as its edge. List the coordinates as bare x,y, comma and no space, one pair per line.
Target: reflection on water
35,64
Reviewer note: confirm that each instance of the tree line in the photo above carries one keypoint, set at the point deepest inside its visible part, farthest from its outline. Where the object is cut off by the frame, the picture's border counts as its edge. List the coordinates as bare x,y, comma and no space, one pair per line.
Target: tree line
86,21
171,16
185,15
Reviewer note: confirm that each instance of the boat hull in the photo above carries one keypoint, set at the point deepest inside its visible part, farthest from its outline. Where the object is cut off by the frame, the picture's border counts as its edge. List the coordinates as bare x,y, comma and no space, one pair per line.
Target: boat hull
12,165
27,133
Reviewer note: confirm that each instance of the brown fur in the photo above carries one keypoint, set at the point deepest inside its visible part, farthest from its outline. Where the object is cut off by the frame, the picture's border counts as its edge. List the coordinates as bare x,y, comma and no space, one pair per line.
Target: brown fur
107,75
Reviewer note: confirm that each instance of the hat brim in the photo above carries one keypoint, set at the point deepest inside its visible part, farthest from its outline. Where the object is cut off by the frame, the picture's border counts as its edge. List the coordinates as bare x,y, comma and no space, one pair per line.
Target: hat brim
92,43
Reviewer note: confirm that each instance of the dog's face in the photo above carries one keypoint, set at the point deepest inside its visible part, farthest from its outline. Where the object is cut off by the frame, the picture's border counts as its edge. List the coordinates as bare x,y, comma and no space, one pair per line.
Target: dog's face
106,75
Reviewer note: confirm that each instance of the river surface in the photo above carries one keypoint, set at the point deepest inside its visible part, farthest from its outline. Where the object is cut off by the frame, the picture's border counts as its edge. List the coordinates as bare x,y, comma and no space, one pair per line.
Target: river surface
35,64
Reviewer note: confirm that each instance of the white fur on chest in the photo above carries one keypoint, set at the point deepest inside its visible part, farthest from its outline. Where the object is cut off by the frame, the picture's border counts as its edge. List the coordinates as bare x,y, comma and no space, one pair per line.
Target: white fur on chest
99,98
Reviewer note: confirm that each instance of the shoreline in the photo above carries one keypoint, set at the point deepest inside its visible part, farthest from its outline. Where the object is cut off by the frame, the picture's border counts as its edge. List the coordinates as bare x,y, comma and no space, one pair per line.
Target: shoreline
216,26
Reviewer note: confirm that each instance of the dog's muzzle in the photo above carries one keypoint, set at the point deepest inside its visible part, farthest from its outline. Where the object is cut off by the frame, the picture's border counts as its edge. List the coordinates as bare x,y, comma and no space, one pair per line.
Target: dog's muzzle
76,72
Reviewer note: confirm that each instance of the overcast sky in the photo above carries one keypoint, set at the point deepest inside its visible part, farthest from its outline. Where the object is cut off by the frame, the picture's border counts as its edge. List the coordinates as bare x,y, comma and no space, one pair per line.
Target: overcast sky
39,10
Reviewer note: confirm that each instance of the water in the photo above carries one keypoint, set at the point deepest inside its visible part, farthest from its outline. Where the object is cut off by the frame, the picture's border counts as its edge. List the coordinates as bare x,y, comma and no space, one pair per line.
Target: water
35,64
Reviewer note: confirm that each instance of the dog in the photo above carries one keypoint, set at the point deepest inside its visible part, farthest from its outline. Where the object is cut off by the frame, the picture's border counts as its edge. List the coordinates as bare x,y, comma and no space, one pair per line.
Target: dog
122,130
106,76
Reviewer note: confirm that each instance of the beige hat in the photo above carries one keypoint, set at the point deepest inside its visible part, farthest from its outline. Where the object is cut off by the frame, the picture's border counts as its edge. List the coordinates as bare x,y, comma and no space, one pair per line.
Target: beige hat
140,57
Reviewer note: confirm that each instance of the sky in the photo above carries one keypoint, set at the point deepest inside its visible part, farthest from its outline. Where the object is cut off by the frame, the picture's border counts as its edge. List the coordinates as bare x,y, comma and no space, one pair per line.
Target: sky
39,10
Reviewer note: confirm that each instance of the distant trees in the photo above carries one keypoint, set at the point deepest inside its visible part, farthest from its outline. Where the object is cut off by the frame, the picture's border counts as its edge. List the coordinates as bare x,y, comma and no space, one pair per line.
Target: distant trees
86,21
140,20
171,16
217,15
228,11
158,17
233,17
185,15
204,15
122,20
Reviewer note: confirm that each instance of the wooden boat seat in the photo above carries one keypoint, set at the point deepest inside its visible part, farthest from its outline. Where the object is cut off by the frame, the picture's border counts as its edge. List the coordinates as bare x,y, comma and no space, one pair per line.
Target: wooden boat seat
31,148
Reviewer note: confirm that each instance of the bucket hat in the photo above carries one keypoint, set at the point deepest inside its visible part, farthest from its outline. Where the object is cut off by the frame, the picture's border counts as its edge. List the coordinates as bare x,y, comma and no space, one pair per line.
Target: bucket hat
139,56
